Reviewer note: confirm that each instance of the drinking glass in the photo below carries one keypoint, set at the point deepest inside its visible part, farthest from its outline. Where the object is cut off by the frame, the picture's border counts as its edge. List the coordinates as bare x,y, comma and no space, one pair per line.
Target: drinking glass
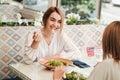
98,54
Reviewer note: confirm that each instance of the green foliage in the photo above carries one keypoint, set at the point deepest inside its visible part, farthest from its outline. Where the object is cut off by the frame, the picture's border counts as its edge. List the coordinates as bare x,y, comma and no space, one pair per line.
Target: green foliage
4,3
81,7
91,7
64,2
0,23
16,24
30,23
24,24
72,18
71,21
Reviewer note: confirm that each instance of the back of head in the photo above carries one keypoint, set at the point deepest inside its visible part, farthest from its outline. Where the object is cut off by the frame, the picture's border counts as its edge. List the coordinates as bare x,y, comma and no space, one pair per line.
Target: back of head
111,41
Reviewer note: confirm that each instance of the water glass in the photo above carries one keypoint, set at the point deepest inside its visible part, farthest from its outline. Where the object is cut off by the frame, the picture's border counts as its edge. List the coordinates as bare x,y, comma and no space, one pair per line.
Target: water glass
98,54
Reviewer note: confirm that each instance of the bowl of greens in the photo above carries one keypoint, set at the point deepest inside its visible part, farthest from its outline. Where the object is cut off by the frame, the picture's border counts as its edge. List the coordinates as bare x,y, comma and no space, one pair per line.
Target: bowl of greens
52,63
74,76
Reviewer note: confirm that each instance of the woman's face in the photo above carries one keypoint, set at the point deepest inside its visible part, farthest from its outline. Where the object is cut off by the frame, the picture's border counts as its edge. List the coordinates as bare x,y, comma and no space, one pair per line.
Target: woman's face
54,21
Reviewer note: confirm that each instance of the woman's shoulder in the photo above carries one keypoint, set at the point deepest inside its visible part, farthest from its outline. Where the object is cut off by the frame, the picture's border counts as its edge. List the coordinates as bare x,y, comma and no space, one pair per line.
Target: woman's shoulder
106,63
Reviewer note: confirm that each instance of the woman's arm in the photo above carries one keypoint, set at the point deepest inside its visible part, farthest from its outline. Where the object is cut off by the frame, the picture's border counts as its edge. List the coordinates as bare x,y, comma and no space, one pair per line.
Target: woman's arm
31,48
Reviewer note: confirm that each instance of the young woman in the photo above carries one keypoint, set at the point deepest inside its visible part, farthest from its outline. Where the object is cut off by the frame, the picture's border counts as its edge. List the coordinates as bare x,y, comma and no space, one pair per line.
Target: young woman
50,40
109,68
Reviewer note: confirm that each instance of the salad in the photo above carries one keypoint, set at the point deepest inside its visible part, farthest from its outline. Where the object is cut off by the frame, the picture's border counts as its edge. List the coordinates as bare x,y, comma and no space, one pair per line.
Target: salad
74,76
55,63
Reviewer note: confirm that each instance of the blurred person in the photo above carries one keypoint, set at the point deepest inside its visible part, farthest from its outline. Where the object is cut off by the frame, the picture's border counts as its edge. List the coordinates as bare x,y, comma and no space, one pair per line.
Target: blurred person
109,68
50,40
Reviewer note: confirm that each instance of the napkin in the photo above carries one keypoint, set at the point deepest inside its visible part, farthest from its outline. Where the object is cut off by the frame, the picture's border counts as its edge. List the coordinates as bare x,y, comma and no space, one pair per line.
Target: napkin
80,64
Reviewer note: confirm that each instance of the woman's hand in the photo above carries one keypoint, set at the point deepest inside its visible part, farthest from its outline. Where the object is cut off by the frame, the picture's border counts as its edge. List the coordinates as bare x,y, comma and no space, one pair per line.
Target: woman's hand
58,73
36,37
36,40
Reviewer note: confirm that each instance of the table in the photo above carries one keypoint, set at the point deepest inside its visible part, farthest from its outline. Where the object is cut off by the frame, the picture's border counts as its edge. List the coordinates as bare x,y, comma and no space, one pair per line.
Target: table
36,71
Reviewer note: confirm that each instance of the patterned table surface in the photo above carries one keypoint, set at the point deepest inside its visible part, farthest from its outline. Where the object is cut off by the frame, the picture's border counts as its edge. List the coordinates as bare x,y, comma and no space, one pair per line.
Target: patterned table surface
36,71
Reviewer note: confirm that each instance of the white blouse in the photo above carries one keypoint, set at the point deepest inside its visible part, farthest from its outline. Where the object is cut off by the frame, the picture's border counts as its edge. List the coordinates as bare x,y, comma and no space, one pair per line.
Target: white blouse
60,44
